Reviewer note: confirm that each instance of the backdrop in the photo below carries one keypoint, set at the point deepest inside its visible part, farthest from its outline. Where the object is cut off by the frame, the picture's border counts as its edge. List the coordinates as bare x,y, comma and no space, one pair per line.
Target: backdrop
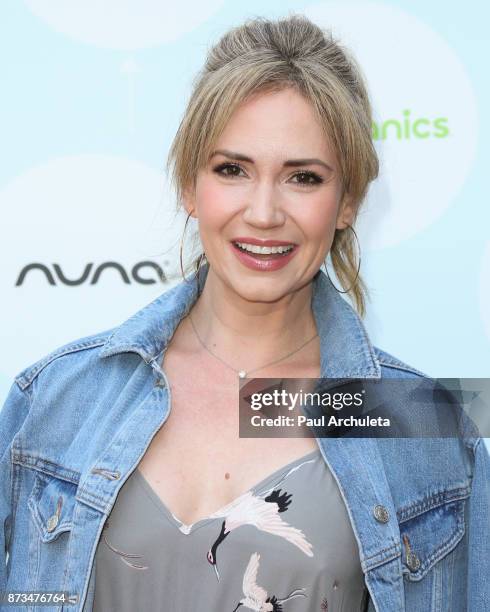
93,91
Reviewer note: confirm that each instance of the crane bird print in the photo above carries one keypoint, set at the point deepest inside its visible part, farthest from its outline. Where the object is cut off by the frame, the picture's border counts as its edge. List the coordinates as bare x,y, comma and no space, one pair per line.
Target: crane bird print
260,510
256,598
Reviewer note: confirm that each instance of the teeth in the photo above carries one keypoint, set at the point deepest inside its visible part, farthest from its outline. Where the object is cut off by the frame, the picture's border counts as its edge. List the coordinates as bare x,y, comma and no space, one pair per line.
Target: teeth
253,248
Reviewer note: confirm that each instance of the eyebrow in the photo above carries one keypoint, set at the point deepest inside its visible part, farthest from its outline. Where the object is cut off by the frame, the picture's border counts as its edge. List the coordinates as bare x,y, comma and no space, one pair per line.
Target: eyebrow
288,163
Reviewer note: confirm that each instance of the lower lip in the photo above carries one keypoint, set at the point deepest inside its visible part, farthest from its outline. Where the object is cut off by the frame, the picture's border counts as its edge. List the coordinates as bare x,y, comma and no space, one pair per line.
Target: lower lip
263,264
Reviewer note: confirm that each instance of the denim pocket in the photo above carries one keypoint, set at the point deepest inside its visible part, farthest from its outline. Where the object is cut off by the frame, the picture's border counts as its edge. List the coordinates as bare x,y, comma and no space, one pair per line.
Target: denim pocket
433,529
51,504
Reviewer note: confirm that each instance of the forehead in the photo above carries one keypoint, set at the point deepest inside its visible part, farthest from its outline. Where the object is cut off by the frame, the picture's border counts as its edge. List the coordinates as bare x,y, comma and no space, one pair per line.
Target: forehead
279,123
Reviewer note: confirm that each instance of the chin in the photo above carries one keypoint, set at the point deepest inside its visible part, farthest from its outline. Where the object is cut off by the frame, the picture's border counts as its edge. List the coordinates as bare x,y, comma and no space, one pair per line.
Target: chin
262,289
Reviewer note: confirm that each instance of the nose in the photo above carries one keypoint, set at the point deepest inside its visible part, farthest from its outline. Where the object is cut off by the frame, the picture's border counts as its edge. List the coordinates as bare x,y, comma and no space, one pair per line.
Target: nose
263,207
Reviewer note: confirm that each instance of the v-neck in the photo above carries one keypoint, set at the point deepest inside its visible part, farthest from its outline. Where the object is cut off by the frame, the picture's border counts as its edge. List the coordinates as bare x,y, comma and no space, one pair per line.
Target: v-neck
189,528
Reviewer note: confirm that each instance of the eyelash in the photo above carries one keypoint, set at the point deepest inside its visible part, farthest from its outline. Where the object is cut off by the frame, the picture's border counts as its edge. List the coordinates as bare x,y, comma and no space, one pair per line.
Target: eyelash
306,173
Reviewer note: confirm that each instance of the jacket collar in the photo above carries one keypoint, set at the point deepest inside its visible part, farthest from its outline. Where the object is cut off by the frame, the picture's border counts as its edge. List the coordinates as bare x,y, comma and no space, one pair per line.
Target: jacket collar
345,348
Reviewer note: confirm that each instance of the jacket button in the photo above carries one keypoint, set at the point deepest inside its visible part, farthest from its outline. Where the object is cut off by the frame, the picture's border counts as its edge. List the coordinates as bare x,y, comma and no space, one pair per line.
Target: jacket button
160,383
413,562
52,522
381,514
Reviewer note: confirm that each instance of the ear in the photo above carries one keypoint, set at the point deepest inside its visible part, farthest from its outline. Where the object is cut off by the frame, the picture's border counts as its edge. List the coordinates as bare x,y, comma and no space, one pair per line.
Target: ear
347,212
189,201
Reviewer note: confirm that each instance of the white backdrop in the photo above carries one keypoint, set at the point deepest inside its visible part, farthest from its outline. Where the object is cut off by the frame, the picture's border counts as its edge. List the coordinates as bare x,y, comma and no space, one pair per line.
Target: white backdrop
92,95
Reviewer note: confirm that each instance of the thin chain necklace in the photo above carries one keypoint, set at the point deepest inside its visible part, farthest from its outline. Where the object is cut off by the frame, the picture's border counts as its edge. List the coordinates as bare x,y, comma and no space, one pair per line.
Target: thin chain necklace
245,373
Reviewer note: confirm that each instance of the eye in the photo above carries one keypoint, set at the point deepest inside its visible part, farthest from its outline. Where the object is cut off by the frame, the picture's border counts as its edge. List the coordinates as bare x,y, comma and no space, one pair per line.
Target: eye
228,170
306,179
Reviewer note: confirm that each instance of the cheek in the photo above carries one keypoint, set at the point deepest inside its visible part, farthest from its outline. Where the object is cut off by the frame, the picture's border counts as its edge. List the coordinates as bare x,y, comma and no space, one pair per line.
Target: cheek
214,204
318,218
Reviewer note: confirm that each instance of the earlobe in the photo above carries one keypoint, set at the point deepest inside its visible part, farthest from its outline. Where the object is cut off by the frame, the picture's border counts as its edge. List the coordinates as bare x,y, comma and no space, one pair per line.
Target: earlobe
189,202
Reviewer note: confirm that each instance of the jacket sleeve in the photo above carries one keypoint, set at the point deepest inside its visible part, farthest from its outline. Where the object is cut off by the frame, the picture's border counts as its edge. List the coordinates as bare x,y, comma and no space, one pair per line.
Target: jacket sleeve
12,416
479,533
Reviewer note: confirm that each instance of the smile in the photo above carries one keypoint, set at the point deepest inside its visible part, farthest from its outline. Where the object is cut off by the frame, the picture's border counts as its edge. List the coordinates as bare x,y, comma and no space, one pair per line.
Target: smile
264,250
264,258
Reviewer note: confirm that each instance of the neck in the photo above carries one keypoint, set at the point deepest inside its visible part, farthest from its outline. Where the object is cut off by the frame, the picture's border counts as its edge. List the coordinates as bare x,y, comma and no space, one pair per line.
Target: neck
247,333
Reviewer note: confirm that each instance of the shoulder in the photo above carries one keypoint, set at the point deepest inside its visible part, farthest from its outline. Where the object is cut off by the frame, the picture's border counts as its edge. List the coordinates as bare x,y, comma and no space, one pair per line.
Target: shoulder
80,349
61,390
431,401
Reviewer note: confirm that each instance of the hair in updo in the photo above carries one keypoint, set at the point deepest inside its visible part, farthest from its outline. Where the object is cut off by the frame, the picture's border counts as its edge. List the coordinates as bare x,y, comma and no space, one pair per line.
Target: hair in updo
269,55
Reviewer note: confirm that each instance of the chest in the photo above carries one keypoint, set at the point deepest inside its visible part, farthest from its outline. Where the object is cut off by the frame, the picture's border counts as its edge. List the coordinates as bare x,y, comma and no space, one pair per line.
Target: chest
196,462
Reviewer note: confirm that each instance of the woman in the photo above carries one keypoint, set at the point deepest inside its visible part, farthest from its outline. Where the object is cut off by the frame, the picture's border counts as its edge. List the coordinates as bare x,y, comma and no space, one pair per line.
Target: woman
124,482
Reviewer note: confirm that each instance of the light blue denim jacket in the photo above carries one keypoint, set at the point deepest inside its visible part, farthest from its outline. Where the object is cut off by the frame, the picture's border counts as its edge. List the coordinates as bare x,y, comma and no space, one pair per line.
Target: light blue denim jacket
77,422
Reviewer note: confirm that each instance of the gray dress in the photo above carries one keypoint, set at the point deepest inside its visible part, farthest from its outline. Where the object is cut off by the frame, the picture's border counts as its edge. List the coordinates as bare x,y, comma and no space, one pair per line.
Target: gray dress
284,545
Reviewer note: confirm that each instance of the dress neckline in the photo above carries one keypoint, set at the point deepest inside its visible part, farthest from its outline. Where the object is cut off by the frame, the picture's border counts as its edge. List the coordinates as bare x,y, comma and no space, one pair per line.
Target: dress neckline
220,512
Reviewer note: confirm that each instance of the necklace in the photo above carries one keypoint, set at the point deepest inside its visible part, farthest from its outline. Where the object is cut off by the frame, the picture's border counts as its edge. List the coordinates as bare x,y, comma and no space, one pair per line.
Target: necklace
245,373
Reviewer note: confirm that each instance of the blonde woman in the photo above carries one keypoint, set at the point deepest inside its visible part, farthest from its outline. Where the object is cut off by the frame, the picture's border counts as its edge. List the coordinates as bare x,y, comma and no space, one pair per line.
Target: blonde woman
124,484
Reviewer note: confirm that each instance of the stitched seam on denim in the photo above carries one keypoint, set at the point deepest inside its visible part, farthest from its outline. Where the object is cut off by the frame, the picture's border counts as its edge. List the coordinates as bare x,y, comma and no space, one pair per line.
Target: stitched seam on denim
450,581
149,358
160,302
407,368
455,537
84,592
68,554
15,476
26,379
86,497
379,552
48,536
367,347
42,465
387,358
394,547
74,560
111,335
434,501
89,494
14,496
34,560
129,348
436,595
438,553
32,503
370,566
47,471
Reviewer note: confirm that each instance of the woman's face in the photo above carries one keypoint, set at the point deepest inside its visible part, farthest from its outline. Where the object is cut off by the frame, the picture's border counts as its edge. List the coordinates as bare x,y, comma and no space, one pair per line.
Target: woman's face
272,176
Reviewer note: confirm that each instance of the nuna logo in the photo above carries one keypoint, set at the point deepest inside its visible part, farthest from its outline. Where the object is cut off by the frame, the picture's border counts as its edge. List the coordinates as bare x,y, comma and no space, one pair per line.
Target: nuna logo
408,127
142,273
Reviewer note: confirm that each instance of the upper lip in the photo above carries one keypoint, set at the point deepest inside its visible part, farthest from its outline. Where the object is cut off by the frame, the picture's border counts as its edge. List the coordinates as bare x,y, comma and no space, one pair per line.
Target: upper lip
259,242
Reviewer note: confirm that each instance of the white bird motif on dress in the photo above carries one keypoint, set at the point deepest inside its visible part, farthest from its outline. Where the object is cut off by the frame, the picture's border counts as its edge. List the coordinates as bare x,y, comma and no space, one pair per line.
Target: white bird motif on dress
256,598
260,510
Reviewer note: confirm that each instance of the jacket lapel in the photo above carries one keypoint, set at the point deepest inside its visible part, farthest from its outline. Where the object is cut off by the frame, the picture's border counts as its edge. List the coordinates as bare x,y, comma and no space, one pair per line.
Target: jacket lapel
356,463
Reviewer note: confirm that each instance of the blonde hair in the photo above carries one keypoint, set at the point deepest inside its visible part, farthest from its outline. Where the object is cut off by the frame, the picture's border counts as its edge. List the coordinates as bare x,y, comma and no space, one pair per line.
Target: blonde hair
269,55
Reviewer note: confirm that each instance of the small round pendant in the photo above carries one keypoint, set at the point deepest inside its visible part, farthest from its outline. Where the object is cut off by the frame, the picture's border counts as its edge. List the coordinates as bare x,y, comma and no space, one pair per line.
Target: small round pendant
242,374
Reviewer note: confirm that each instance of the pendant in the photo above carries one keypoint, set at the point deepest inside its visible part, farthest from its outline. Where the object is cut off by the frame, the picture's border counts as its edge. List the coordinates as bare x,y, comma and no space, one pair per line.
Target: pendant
242,374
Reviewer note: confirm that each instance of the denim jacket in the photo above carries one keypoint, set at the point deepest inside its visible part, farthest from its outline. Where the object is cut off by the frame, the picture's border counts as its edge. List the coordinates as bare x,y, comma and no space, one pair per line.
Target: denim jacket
77,422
